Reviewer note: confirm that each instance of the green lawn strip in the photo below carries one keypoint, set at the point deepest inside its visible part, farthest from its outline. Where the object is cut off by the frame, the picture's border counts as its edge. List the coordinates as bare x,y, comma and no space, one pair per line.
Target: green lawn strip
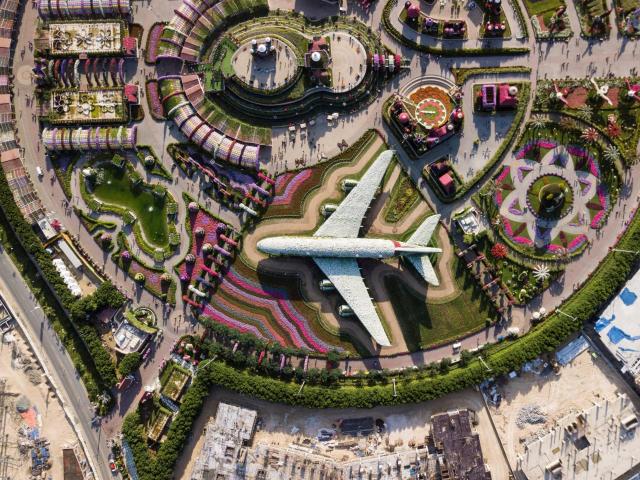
403,197
93,224
429,324
537,7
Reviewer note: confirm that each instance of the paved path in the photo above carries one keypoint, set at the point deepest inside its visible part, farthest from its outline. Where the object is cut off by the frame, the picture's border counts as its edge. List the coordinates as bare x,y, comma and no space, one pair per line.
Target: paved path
583,58
30,316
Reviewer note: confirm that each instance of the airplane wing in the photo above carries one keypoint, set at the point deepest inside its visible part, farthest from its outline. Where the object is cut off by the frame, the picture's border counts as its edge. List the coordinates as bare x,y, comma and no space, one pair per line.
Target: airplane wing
345,222
345,275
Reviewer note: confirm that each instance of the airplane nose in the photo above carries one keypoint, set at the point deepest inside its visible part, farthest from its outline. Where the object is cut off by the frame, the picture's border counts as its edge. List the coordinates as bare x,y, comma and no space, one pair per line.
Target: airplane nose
263,245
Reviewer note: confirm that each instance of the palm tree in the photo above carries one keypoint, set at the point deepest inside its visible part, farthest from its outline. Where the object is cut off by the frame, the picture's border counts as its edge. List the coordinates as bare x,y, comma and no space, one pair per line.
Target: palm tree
611,153
590,135
585,112
568,123
541,272
538,122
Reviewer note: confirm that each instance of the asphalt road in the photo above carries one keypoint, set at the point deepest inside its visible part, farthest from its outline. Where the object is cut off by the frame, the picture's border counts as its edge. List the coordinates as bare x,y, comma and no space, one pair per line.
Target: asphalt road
19,298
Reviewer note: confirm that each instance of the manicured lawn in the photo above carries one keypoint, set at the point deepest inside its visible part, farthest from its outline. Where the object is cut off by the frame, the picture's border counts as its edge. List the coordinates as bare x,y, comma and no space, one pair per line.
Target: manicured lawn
117,189
536,7
429,324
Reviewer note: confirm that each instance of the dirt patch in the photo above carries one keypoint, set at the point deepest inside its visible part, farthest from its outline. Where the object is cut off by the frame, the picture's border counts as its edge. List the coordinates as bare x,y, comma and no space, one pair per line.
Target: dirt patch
282,425
586,380
40,411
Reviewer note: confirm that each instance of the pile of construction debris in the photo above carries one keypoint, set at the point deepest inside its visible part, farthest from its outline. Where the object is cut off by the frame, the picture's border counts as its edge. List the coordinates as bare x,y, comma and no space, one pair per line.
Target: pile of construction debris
530,414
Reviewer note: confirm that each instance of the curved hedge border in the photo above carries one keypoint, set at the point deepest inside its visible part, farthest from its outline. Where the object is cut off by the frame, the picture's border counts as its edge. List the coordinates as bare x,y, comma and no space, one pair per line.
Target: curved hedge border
445,52
460,75
583,305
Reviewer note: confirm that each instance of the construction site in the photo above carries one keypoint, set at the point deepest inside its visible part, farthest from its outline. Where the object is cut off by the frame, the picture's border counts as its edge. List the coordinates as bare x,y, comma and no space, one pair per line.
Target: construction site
246,438
534,412
36,439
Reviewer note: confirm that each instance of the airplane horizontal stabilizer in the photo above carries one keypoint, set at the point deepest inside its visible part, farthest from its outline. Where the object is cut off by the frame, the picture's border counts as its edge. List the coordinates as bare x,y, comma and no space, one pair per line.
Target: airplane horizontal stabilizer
423,266
423,234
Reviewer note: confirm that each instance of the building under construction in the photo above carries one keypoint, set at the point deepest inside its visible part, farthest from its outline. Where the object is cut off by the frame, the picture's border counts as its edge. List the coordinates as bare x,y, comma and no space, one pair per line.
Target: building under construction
452,452
458,446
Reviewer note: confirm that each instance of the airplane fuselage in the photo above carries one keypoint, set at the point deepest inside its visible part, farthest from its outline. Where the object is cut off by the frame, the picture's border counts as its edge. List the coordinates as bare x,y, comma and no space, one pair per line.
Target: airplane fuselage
340,247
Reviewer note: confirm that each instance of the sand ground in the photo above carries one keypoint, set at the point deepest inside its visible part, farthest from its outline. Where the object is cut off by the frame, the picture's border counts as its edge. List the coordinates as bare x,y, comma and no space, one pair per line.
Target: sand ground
579,385
52,423
404,424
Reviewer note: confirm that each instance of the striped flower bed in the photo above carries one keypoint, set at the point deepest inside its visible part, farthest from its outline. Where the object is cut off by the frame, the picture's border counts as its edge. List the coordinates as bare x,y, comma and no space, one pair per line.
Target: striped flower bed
153,40
153,99
288,184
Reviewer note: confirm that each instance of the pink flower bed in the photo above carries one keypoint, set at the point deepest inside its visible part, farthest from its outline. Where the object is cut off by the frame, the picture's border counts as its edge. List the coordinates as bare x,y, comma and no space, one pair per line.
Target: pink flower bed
200,219
522,153
284,312
153,98
153,40
576,242
287,184
503,174
220,317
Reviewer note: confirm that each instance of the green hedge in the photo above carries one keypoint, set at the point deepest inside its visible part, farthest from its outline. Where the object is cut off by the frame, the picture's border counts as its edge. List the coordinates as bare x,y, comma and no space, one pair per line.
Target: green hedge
445,52
460,75
100,371
502,358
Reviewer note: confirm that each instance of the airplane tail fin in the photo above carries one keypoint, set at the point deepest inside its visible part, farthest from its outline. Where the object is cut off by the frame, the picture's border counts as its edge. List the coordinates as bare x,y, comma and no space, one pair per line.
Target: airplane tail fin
421,237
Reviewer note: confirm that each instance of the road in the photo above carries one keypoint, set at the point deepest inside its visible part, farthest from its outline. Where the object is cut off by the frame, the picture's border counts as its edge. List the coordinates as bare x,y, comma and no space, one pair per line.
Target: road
59,365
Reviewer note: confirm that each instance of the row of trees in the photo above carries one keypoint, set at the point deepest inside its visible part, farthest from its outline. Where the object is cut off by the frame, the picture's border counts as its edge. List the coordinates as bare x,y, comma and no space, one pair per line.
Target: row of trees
583,305
96,361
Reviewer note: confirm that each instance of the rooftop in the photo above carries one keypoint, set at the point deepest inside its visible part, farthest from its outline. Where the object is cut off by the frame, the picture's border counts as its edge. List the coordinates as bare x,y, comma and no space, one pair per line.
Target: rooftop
460,446
598,442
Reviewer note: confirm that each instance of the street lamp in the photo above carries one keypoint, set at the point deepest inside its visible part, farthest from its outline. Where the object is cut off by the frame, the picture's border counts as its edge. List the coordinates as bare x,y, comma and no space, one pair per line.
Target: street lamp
566,314
622,250
203,364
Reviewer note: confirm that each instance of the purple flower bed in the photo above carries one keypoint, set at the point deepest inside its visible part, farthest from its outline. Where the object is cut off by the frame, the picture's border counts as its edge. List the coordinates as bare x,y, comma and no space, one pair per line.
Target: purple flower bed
514,208
286,186
522,171
522,153
153,98
153,40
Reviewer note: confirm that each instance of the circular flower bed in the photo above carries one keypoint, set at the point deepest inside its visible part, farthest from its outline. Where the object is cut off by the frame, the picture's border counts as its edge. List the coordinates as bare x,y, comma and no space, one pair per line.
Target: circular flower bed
550,196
